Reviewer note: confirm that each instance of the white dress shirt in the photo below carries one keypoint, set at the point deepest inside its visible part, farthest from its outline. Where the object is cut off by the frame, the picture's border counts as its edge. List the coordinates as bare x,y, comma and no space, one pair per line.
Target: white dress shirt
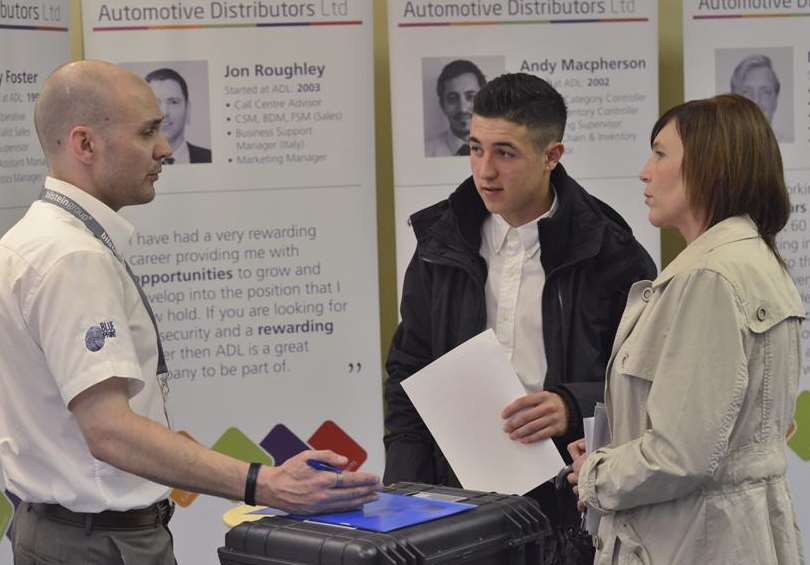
514,290
70,317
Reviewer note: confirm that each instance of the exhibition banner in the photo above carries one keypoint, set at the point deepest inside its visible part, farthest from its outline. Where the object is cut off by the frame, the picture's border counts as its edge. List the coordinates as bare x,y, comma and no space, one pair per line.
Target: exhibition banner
761,49
601,55
33,42
259,253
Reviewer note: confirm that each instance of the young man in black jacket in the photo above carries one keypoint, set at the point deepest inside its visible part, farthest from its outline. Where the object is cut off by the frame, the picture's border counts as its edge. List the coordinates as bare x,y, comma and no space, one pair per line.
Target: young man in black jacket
523,249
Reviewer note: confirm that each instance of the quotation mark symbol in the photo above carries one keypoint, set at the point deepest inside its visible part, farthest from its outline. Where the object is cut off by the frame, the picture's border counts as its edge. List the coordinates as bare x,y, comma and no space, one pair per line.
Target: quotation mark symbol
355,367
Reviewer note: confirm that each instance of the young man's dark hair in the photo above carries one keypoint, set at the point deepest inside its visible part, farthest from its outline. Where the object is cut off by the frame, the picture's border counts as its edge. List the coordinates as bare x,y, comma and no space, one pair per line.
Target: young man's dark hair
455,69
526,100
169,74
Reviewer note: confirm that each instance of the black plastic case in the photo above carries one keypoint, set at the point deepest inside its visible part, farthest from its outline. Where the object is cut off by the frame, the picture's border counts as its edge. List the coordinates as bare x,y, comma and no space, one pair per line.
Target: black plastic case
503,530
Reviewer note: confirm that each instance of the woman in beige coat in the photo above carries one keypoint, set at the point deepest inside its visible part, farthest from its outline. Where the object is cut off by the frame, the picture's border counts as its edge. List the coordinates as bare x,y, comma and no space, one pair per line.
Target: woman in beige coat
702,381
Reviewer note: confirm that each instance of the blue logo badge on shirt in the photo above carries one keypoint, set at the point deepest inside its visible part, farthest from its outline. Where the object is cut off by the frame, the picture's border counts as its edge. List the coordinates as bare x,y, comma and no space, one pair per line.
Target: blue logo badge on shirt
95,336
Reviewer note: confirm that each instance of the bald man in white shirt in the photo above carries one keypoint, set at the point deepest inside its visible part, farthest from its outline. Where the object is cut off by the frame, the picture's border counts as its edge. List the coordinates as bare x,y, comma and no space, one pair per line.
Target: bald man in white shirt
84,441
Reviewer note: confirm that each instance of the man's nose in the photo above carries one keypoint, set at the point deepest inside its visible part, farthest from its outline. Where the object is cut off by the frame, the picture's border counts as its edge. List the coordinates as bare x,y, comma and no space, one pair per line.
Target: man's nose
467,105
486,167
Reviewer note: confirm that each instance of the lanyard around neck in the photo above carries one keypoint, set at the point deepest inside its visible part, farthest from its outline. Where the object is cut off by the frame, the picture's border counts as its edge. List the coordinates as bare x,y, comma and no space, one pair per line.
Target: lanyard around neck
69,205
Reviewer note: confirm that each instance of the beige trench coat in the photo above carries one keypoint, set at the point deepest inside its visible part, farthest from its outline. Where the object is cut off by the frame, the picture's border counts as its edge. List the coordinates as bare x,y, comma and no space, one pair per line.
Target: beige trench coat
701,390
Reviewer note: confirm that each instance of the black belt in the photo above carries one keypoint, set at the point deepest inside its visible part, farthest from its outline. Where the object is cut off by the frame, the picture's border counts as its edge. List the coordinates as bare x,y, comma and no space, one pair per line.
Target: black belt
152,516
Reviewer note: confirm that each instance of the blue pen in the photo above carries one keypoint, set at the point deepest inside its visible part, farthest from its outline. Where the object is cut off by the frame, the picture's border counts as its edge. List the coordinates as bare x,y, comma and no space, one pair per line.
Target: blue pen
322,466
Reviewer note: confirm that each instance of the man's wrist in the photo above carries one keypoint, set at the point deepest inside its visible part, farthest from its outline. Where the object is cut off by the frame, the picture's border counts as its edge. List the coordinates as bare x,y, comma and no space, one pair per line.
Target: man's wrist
573,421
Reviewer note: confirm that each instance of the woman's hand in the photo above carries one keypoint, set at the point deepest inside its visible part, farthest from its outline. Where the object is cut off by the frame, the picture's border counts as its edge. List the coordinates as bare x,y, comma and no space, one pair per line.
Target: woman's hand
578,452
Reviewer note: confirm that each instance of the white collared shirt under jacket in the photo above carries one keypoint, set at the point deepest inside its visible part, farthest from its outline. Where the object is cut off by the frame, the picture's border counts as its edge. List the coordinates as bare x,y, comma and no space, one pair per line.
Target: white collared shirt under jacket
701,391
70,317
513,292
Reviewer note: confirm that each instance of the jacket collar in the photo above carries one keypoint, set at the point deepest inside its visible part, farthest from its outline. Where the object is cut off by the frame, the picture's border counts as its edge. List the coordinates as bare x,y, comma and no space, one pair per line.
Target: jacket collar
572,234
732,229
575,231
496,229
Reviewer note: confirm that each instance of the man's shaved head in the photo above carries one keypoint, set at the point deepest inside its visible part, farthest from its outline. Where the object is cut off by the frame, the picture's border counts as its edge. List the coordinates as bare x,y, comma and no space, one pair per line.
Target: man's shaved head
82,93
99,126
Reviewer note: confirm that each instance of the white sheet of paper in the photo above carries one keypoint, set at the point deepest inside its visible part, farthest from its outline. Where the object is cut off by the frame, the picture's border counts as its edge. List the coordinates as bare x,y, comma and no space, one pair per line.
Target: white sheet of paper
460,397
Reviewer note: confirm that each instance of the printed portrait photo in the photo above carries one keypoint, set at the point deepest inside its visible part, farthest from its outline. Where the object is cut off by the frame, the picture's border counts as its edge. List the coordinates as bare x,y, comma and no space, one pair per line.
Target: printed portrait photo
763,75
181,88
449,85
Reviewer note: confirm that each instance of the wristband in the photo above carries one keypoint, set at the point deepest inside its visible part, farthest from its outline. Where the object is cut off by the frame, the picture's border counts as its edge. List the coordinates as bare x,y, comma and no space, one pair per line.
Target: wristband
250,483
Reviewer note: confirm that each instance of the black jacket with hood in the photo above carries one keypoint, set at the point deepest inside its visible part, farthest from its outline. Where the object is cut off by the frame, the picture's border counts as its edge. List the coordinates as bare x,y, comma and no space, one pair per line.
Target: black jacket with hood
590,259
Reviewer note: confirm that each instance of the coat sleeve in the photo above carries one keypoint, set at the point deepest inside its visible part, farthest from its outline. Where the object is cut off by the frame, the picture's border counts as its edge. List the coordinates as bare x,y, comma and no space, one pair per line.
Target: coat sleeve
697,376
408,443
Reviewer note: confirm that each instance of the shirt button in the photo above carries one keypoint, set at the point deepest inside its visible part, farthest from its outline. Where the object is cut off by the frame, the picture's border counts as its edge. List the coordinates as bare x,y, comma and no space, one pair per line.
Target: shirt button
761,314
646,294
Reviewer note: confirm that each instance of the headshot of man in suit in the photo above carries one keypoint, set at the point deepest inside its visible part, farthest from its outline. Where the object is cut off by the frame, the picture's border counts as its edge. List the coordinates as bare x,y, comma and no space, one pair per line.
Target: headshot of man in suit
754,78
171,90
456,87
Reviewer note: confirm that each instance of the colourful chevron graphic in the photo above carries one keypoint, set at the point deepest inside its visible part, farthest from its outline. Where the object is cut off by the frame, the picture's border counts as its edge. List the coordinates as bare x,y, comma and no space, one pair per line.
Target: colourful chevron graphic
6,512
799,440
234,443
277,446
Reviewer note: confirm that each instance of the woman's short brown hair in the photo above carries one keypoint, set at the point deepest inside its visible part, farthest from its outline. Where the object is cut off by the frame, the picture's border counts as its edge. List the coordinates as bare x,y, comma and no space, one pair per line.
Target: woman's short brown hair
731,163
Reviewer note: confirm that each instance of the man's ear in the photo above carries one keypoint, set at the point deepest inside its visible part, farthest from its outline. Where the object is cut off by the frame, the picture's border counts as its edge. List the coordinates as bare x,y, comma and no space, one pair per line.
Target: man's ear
554,152
81,143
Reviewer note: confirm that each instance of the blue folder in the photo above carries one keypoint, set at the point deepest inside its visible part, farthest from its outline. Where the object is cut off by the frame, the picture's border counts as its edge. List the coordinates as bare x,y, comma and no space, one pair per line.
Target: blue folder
389,512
